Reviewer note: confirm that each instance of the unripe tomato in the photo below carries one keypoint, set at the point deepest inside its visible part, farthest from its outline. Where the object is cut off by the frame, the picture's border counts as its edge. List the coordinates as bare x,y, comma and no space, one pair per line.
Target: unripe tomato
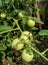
30,23
17,44
20,15
26,36
3,15
26,56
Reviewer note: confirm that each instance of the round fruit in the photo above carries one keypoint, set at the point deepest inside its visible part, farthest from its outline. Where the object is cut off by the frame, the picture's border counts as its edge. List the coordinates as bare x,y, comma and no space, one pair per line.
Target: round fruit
26,56
26,36
3,15
30,23
16,44
20,15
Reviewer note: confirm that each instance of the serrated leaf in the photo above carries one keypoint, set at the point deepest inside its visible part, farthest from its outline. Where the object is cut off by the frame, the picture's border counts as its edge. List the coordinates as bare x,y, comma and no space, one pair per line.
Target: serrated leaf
4,28
43,32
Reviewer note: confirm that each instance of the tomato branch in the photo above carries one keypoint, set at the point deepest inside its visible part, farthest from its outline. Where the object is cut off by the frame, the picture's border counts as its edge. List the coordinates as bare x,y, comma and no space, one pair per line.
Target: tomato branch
8,31
39,54
16,21
45,51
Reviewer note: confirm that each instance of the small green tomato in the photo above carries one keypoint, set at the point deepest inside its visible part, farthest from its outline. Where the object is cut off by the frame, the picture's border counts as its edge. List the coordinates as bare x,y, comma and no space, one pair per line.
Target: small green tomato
17,44
30,23
20,15
26,56
3,15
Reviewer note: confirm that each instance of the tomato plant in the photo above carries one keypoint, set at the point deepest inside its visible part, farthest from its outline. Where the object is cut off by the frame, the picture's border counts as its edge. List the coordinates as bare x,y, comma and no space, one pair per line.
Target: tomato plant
20,38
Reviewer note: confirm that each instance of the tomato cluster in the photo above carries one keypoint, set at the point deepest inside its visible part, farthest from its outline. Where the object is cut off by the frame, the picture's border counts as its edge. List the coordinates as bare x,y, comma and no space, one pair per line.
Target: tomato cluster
30,22
19,44
26,38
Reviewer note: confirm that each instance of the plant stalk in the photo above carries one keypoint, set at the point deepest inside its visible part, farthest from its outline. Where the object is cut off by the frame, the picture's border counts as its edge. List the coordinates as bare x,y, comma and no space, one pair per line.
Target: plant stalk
39,54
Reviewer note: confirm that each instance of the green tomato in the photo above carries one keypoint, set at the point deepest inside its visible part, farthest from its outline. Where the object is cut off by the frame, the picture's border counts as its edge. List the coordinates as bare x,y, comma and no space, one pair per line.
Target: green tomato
30,23
26,36
20,15
17,44
3,15
26,56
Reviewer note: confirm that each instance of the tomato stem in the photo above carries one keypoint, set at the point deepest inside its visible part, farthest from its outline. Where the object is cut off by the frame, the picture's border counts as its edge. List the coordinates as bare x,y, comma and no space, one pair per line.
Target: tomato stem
45,51
39,54
16,21
9,30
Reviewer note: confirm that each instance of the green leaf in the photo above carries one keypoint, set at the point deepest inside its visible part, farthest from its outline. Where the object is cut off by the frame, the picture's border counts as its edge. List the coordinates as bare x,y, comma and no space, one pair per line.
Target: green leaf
0,3
34,28
7,1
3,47
37,20
36,55
4,28
38,9
24,20
43,33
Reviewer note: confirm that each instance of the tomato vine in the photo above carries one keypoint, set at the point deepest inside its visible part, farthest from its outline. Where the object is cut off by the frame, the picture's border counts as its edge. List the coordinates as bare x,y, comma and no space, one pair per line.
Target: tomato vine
18,23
